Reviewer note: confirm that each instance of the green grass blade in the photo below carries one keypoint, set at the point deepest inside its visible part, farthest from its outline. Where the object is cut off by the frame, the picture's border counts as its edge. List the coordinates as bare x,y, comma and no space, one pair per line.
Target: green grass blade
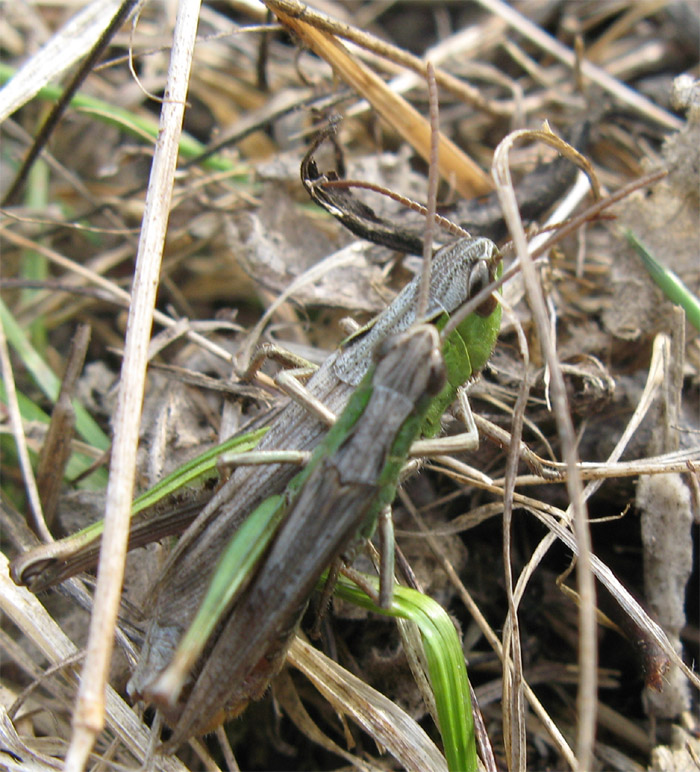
129,122
48,382
183,475
34,265
448,673
670,284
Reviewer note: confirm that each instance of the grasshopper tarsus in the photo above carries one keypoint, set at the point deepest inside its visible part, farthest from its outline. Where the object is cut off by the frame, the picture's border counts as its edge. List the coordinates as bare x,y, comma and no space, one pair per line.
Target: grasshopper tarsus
324,600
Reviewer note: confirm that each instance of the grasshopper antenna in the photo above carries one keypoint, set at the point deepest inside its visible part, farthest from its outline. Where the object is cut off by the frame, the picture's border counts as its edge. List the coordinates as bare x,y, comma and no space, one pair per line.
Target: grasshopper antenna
424,289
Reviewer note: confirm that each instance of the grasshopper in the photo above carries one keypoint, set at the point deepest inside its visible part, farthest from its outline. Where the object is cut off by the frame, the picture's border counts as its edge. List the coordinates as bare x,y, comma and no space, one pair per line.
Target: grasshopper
460,270
331,506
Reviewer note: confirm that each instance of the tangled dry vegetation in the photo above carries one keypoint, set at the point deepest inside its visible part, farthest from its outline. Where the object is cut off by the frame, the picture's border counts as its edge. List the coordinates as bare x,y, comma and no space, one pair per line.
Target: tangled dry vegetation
241,231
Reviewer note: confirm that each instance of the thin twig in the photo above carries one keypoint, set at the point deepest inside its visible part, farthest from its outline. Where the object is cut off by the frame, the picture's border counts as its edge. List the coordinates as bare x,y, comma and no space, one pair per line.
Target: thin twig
588,657
30,485
428,235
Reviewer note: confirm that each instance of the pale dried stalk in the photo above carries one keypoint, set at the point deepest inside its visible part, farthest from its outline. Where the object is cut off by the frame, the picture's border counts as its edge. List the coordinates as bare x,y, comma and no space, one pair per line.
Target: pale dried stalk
588,655
513,679
670,463
88,718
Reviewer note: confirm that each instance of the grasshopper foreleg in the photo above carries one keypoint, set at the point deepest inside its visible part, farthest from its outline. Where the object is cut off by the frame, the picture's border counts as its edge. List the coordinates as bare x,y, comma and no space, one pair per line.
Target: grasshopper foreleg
439,446
289,381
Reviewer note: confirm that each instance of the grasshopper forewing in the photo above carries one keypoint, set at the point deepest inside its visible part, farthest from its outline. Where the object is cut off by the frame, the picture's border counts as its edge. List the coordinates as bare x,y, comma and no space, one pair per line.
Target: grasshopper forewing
351,477
460,270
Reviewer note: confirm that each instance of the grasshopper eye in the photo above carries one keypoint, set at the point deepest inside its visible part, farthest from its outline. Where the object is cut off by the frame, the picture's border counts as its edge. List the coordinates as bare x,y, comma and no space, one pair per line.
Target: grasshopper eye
480,277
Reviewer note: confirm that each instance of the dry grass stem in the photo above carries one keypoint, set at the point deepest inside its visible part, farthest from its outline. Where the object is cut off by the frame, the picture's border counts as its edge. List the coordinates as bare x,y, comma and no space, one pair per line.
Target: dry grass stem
88,717
454,165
